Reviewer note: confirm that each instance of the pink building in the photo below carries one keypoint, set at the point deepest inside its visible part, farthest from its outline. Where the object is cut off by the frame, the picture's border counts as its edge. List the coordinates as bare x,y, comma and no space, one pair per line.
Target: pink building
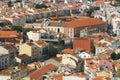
105,64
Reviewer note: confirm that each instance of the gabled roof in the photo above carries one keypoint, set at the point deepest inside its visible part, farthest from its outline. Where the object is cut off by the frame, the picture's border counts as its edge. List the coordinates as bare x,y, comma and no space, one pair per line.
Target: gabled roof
40,72
83,22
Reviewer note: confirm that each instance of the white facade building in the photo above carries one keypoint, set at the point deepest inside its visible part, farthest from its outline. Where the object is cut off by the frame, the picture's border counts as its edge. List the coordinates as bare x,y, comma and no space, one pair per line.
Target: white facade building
84,55
35,36
116,25
69,59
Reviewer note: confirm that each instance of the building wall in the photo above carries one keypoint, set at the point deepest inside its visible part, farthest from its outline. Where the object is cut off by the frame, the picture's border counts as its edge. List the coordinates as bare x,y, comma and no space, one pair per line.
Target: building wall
32,51
4,61
23,60
69,32
116,25
35,36
12,53
76,31
55,28
84,55
105,65
99,50
25,49
69,59
118,73
4,77
19,75
17,20
104,73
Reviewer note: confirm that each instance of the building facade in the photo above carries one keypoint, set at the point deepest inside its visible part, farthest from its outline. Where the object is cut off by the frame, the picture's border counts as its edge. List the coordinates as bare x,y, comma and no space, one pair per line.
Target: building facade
84,27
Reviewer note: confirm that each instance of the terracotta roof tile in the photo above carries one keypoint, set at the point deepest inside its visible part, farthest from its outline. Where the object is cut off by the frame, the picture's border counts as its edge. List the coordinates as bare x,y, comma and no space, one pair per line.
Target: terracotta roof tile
8,34
30,44
21,56
8,46
83,22
30,68
67,51
40,42
38,64
38,73
84,44
101,78
58,77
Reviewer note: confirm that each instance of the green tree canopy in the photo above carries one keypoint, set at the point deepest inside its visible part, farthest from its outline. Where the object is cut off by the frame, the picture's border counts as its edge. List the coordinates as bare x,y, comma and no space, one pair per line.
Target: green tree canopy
13,63
20,29
113,56
52,51
17,28
10,4
39,6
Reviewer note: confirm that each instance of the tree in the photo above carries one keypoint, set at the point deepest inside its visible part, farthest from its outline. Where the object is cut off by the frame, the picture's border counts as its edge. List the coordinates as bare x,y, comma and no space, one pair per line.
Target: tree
118,2
52,51
39,6
20,29
113,56
59,48
10,4
13,63
90,11
17,28
118,56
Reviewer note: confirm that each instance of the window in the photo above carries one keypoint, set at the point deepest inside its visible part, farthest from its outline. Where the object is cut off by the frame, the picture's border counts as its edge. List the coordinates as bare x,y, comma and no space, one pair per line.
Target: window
58,30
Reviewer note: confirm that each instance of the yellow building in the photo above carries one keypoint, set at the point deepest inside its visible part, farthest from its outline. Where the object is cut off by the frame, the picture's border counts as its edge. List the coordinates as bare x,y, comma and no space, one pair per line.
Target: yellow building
104,73
30,49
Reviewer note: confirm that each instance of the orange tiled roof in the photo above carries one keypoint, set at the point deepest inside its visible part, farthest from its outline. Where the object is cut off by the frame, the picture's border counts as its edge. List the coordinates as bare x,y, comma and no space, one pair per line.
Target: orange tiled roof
100,2
30,44
80,75
38,73
8,46
5,28
30,68
101,78
67,51
84,44
38,64
82,22
8,34
10,71
40,42
4,21
21,56
58,77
